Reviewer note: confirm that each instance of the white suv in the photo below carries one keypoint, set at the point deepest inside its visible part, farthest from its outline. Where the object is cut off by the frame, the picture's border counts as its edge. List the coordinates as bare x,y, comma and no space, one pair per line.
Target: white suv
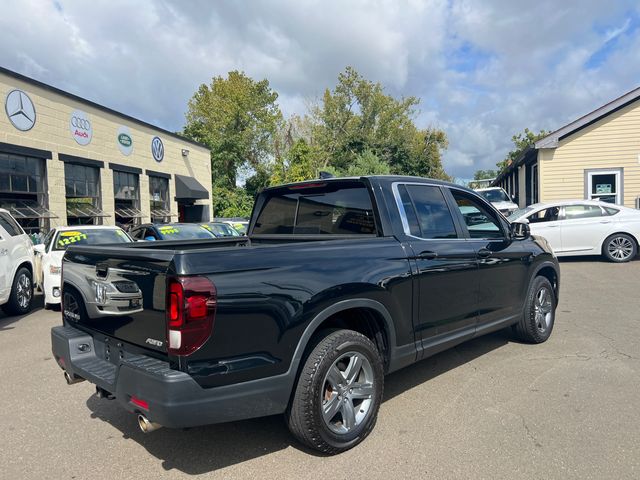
16,267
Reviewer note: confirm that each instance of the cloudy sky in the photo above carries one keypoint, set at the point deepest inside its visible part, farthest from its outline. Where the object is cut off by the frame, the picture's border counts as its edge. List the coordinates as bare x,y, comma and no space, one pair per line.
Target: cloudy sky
483,70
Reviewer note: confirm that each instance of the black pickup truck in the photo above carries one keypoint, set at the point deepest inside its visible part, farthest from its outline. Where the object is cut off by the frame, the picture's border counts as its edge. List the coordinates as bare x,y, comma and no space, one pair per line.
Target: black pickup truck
339,282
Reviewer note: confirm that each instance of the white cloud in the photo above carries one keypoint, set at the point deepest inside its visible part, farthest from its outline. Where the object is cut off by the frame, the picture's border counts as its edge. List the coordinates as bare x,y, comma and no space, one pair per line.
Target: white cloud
483,70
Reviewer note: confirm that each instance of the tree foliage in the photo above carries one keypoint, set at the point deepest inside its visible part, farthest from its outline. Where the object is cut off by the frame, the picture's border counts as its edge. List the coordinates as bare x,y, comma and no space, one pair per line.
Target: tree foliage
521,142
355,129
485,174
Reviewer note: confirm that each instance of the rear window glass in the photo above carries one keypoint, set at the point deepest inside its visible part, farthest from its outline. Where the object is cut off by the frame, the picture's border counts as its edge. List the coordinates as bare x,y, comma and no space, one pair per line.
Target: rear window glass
89,237
323,209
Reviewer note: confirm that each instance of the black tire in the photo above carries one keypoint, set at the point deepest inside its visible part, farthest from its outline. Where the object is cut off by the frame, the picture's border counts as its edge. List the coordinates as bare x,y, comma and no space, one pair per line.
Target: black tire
539,314
21,297
72,306
619,248
314,392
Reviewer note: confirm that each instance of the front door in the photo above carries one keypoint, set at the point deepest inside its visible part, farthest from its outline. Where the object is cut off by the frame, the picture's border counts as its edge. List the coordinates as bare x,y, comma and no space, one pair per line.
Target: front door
545,223
502,262
445,268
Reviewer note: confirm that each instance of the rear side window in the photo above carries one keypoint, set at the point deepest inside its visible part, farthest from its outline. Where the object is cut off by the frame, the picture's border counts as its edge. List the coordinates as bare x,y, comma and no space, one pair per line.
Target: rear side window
433,215
10,225
581,211
338,208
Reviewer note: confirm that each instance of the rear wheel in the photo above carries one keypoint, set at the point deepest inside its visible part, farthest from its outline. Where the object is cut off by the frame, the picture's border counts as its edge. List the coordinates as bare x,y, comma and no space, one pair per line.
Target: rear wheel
21,294
336,400
538,318
619,248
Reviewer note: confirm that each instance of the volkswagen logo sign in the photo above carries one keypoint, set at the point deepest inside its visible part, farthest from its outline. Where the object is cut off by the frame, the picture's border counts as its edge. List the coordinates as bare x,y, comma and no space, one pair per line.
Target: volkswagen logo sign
20,110
80,127
157,149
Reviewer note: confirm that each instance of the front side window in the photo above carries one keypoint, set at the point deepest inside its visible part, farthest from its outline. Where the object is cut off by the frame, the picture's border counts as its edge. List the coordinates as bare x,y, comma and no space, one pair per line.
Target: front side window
478,219
317,209
547,215
572,212
433,216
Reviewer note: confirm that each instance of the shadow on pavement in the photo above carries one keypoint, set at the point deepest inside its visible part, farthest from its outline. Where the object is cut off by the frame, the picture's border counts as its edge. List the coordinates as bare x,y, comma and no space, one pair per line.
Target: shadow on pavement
206,449
6,321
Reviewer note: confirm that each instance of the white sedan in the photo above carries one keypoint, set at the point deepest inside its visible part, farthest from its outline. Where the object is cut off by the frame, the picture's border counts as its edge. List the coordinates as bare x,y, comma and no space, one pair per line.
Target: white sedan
49,253
585,227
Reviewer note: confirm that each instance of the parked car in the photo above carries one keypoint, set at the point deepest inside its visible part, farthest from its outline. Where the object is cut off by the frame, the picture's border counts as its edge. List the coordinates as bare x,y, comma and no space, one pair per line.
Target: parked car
339,282
48,255
585,227
221,229
499,198
240,226
16,267
169,231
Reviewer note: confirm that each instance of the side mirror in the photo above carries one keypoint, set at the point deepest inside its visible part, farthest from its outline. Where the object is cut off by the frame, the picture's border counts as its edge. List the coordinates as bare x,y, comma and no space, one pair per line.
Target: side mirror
520,230
40,248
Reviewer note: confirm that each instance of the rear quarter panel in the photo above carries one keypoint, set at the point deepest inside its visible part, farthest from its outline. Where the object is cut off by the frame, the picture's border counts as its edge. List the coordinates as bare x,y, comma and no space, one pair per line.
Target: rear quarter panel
268,295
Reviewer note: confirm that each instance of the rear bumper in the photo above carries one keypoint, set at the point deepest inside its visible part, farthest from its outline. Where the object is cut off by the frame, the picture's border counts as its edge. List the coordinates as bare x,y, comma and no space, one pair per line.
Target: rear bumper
174,398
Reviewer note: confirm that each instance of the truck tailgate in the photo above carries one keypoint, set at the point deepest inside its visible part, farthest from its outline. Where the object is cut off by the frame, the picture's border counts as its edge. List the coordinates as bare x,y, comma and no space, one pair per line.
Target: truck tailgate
122,291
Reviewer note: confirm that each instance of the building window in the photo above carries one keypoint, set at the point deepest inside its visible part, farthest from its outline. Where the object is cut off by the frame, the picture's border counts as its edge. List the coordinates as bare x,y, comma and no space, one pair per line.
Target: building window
126,188
159,199
23,192
604,185
534,183
82,187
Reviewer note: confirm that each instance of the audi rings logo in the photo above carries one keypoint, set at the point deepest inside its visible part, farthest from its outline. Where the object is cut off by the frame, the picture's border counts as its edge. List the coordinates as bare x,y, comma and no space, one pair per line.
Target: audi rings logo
157,149
80,127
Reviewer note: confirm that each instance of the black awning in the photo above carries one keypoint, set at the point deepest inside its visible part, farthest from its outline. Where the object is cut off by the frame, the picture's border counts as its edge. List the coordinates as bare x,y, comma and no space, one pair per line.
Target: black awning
188,188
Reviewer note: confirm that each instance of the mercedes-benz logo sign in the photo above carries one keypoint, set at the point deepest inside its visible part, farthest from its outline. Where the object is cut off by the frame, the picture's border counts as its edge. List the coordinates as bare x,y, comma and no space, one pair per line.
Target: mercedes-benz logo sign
157,149
20,110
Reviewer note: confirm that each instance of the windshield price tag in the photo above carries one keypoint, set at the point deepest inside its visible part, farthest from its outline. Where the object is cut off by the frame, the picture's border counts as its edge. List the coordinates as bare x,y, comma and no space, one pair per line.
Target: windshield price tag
67,238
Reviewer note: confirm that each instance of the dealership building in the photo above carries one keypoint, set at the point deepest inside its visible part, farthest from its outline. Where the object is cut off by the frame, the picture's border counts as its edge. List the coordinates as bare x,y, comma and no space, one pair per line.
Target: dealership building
595,157
65,160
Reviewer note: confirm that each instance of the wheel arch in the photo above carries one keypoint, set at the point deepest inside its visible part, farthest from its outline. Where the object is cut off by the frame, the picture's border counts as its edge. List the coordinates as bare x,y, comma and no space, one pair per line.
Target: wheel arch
550,271
635,239
357,314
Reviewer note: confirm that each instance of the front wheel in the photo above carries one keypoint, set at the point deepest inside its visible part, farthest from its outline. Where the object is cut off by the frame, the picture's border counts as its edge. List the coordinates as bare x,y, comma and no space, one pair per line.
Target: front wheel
336,401
619,248
539,315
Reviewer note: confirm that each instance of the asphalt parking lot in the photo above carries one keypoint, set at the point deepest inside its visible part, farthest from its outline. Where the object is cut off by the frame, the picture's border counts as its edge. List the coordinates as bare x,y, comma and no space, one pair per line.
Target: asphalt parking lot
491,408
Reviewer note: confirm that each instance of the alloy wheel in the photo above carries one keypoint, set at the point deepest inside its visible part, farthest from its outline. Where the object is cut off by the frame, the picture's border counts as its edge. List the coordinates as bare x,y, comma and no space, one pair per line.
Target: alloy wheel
620,248
24,291
348,391
543,309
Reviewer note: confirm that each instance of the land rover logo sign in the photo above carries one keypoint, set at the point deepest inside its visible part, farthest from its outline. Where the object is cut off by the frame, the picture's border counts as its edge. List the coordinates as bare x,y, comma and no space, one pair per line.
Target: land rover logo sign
20,110
125,142
80,127
157,149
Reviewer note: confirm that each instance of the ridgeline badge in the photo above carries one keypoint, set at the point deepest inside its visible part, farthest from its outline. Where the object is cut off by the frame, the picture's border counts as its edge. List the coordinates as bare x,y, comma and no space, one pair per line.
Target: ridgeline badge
80,127
125,141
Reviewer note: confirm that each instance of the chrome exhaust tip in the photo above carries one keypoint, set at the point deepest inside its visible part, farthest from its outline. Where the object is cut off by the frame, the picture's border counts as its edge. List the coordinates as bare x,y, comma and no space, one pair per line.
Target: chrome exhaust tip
72,379
146,426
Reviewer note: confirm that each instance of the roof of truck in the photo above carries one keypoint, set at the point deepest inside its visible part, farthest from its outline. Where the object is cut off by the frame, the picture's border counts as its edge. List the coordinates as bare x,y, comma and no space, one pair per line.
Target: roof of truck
388,178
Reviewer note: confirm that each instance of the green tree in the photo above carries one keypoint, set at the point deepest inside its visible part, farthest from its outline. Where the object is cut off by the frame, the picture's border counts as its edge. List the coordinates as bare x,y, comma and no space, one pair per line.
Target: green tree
231,202
485,174
237,118
368,163
300,162
357,115
521,142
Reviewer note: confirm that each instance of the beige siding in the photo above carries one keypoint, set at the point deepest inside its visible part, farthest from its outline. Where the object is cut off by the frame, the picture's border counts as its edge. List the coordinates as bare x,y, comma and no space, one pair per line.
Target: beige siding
613,142
51,132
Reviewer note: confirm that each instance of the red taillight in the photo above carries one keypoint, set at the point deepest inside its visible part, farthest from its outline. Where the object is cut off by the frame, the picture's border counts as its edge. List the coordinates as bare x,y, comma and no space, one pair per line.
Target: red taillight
300,186
139,403
191,311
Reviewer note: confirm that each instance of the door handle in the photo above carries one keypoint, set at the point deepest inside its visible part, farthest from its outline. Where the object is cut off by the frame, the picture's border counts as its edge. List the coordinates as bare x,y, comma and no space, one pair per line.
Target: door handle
4,251
484,253
552,226
427,255
605,221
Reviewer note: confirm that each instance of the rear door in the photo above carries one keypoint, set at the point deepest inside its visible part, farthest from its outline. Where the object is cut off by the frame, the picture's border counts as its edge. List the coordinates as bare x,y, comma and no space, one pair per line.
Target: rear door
445,265
502,263
5,263
583,228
